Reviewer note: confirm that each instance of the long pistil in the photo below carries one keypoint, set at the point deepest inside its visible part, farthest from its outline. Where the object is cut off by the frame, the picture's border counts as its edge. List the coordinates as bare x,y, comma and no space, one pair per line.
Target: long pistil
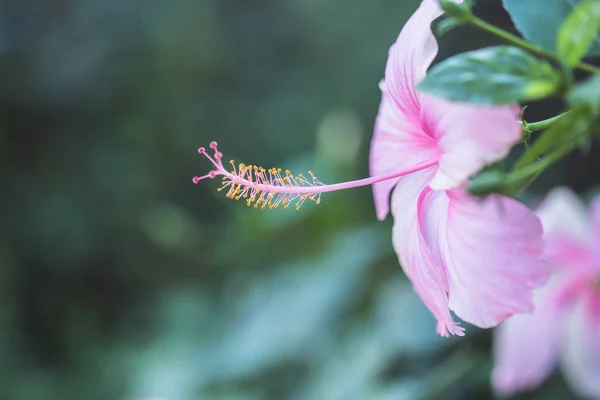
271,188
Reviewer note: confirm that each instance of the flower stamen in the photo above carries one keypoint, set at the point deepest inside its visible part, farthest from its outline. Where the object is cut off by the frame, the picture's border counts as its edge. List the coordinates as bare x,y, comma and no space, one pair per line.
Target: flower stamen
259,187
270,188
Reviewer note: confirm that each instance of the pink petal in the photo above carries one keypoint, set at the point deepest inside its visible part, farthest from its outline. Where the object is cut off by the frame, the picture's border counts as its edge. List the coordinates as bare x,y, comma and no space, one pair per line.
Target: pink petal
566,229
410,57
398,141
595,210
526,345
470,137
491,252
427,277
580,354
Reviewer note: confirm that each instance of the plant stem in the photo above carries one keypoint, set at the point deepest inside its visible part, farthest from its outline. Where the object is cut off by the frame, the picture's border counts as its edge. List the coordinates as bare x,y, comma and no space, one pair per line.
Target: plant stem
538,126
524,44
522,178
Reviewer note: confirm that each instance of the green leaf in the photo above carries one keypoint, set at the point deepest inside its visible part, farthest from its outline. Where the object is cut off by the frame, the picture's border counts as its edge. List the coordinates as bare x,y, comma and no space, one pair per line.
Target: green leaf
494,75
539,20
579,32
586,93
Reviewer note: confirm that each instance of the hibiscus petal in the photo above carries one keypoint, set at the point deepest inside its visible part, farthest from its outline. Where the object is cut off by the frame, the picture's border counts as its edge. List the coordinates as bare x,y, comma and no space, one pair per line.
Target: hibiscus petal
526,345
398,141
580,353
469,136
491,252
397,144
427,277
566,229
595,210
410,57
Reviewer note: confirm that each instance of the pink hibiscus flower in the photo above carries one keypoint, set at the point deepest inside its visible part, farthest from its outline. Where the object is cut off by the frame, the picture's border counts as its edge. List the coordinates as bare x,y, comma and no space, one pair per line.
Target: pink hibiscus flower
480,259
566,322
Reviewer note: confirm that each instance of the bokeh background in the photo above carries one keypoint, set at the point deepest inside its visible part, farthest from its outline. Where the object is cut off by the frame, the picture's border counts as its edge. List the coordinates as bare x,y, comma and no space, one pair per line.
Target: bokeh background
120,279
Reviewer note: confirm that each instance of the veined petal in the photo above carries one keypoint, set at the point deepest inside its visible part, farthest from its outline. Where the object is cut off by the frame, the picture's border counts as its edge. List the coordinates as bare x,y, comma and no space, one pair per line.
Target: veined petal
567,231
595,210
427,276
580,354
491,252
398,141
469,137
526,345
410,57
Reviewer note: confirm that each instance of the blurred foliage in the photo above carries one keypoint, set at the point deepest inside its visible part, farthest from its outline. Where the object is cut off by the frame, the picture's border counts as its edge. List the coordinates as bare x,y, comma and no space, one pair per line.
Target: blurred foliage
120,279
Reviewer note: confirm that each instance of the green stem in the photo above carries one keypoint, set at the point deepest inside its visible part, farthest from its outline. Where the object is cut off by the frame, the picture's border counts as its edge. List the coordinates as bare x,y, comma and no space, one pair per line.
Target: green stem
538,126
522,178
524,44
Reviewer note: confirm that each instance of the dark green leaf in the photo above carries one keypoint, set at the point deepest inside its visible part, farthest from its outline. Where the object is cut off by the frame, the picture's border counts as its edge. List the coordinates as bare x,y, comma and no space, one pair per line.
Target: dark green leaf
494,75
539,20
579,32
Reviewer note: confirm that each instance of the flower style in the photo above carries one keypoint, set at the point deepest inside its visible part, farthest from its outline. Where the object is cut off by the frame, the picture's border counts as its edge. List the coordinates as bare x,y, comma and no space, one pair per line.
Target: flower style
269,188
566,322
480,259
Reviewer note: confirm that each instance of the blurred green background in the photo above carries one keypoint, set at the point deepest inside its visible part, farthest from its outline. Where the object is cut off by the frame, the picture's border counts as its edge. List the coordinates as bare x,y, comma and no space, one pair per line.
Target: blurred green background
120,279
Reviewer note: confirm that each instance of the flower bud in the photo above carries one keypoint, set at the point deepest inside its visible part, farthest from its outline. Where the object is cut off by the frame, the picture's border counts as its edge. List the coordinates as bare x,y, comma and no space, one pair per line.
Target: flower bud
487,182
459,9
